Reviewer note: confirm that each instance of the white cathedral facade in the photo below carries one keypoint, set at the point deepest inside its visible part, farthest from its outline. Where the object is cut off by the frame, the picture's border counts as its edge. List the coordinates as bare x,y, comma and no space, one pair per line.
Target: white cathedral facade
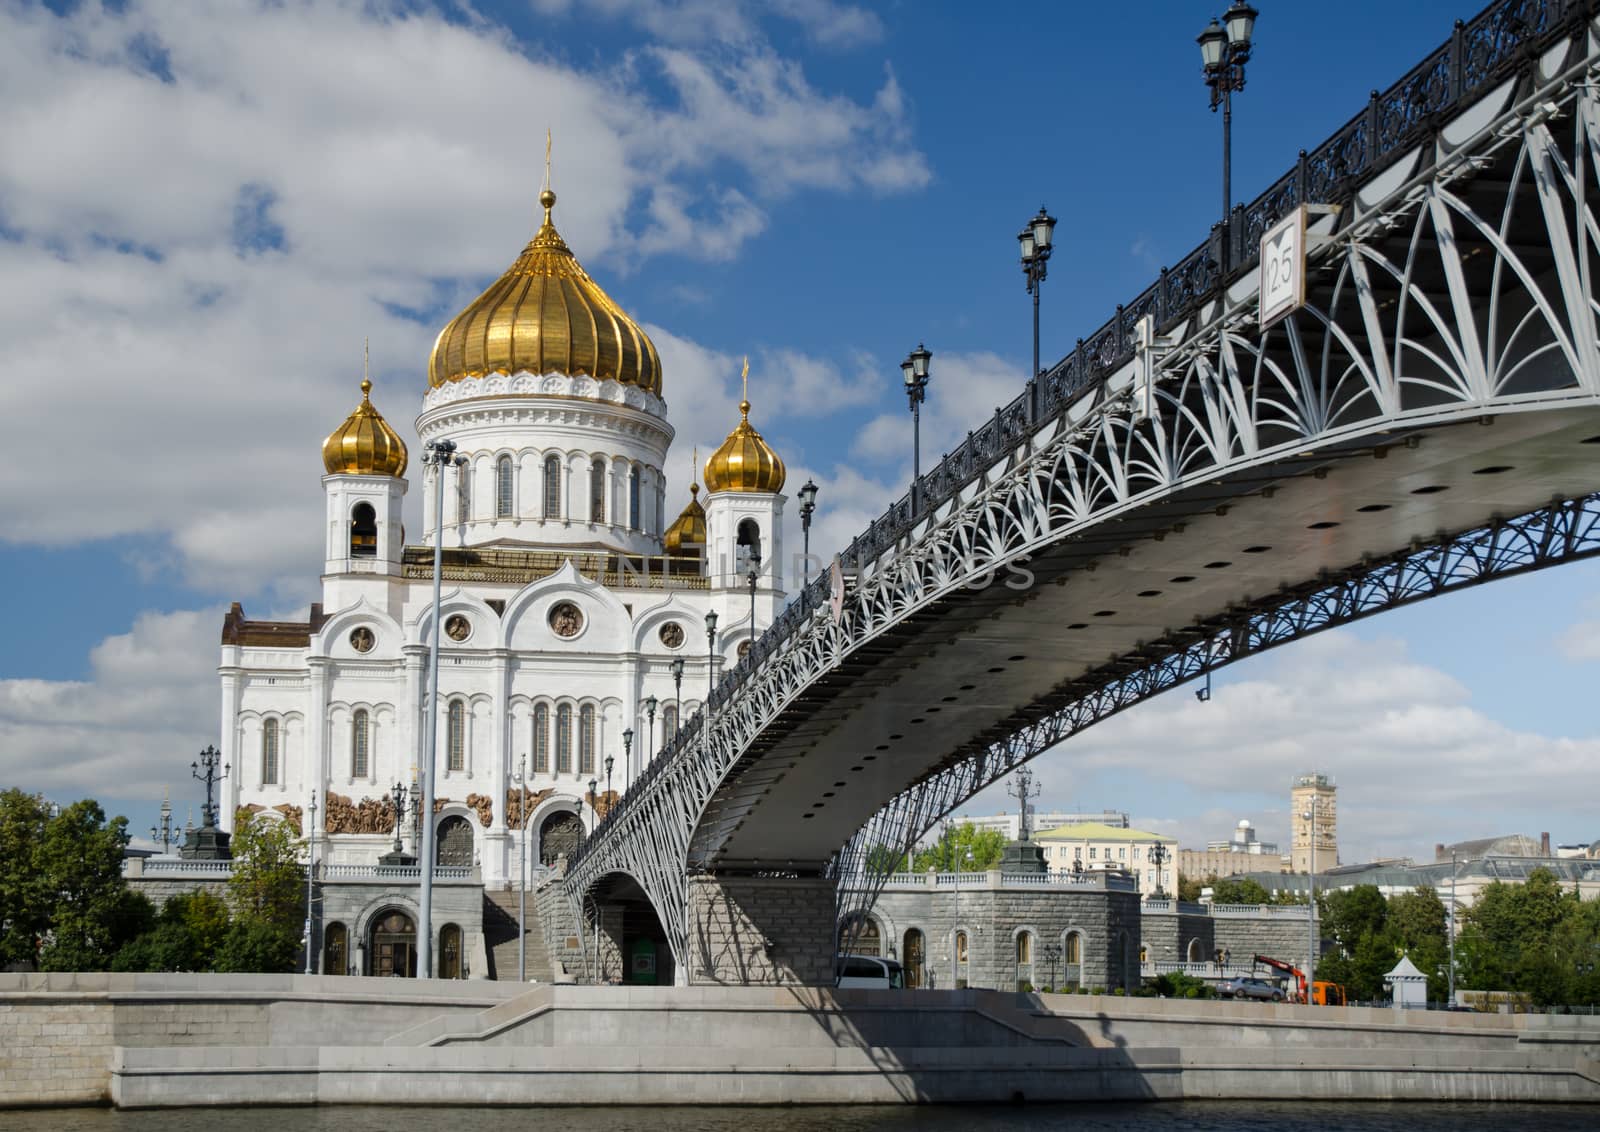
573,610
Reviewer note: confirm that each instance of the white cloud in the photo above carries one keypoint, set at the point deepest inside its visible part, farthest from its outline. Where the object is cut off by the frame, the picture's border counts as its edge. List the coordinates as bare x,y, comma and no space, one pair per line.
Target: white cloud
824,22
1415,762
205,209
132,727
963,389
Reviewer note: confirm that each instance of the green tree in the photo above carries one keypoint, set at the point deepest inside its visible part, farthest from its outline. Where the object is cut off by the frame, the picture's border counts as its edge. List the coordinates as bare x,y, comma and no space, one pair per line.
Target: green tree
1189,889
91,913
885,858
1350,915
963,848
265,892
187,936
24,914
1417,925
1238,890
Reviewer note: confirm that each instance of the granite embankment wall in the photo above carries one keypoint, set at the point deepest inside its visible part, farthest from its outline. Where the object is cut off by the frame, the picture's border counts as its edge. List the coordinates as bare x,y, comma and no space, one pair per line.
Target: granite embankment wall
159,1040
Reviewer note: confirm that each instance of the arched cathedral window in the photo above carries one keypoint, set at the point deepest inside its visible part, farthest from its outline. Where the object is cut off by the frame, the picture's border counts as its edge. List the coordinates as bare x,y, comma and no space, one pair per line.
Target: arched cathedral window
464,493
597,491
633,499
669,723
360,745
749,542
586,740
363,531
503,476
564,739
552,487
456,736
269,752
541,740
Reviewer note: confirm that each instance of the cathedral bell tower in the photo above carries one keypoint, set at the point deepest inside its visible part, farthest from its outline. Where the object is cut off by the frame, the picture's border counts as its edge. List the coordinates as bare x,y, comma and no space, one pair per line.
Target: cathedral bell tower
365,487
744,512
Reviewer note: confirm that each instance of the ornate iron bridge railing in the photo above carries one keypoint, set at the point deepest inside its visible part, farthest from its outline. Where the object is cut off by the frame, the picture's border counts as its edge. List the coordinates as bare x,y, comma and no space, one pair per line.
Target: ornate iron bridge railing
1480,53
1393,340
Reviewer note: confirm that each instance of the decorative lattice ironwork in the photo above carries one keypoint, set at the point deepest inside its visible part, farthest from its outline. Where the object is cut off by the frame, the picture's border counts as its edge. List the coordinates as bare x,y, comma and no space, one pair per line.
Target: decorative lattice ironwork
1453,299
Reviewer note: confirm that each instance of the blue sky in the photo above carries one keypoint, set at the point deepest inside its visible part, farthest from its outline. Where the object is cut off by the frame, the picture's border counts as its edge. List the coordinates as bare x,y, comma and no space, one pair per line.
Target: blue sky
203,212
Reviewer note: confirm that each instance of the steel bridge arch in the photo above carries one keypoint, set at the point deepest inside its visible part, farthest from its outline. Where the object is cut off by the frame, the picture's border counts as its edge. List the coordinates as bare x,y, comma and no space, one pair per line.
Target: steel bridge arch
1401,333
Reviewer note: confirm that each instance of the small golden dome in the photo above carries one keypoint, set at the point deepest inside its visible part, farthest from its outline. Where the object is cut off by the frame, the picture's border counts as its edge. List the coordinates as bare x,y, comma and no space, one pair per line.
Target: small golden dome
364,445
689,527
545,315
745,462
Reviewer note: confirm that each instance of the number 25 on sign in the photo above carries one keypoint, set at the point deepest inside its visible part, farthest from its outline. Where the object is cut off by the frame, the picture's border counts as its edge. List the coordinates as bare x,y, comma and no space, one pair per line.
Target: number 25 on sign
1283,268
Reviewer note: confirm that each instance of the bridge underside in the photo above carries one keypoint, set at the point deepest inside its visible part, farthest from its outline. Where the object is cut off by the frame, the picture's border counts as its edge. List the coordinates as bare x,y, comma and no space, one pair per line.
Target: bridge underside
964,670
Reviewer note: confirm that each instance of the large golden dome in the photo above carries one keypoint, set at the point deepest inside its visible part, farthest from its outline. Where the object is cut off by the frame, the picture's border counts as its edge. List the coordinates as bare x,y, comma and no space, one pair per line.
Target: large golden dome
745,462
545,315
688,528
364,445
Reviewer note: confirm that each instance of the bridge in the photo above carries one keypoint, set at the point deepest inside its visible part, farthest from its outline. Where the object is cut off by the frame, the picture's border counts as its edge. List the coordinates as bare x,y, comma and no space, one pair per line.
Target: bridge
1187,488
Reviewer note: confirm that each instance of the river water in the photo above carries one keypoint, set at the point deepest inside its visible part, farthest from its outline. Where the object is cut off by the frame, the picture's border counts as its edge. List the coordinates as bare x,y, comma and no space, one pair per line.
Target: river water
1171,1116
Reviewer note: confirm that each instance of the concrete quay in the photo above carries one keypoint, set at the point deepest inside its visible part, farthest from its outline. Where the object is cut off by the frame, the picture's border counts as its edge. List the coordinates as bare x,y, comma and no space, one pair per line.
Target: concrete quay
173,1040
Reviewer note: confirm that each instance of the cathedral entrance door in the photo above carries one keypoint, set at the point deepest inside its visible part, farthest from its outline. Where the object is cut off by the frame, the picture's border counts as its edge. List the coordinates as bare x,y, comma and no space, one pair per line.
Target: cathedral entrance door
394,945
561,833
455,842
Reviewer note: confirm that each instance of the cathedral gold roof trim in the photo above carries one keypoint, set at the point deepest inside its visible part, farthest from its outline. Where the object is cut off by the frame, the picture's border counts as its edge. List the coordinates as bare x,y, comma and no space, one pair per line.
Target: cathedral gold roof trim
745,461
545,315
365,445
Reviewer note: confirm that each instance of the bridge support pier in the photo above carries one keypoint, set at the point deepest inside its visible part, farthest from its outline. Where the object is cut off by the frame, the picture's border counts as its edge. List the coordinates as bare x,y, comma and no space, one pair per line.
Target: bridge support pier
760,931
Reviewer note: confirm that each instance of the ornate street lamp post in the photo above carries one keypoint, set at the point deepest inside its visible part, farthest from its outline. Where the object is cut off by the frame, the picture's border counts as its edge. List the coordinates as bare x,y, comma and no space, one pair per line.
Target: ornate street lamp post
397,855
627,756
1158,857
1225,49
752,577
711,659
650,705
609,760
522,868
1052,952
677,687
438,455
208,843
808,505
1451,924
1035,241
593,784
1310,815
914,370
165,831
311,872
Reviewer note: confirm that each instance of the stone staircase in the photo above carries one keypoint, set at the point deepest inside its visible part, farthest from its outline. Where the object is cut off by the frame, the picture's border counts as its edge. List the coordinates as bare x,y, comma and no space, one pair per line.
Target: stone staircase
500,935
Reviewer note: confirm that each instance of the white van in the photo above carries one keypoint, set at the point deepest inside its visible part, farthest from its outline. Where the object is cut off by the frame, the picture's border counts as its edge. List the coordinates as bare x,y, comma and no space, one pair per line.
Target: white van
870,972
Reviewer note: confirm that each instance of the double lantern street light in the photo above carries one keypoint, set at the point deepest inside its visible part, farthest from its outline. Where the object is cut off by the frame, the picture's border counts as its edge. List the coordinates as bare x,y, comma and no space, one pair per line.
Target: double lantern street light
1035,241
914,371
1225,49
808,506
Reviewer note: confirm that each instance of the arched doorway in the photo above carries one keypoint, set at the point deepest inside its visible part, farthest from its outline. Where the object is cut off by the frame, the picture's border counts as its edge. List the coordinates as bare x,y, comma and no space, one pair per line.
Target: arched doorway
912,957
958,957
335,950
450,952
860,935
455,842
394,945
560,834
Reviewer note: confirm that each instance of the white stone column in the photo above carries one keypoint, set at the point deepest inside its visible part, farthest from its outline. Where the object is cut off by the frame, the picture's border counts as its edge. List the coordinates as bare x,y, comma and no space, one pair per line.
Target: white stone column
314,775
232,684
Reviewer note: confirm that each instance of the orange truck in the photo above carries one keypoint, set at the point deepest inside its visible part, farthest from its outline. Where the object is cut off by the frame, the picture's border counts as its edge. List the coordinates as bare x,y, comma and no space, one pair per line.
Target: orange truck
1322,993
